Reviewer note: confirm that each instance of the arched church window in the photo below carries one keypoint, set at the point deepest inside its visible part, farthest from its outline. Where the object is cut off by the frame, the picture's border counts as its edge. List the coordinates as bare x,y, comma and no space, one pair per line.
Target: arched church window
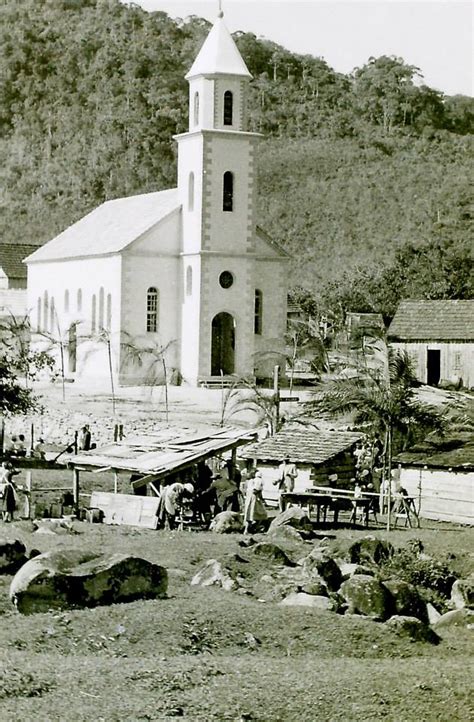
258,318
109,312
191,192
196,108
38,314
228,107
66,301
45,311
93,314
152,310
228,192
189,281
79,299
101,310
52,315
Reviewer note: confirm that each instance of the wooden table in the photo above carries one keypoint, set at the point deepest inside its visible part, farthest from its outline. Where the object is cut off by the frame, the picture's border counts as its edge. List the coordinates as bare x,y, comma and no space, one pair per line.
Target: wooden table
328,502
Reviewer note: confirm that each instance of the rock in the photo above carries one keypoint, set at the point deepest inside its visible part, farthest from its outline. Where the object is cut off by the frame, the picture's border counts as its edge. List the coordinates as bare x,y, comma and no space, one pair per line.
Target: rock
74,578
54,526
432,613
272,552
324,567
455,618
406,626
300,599
462,593
367,596
285,533
370,549
294,517
227,522
247,542
12,555
348,569
316,587
214,574
406,599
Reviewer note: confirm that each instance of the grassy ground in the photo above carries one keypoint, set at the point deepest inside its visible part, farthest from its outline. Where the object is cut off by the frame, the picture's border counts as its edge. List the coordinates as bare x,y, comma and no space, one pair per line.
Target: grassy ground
190,656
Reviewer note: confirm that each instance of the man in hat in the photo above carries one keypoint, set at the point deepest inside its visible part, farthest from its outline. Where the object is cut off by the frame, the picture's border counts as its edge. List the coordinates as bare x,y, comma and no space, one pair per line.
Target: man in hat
287,473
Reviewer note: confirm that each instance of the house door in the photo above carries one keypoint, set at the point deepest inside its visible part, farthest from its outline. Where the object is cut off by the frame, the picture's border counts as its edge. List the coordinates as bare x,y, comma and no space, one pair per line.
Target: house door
72,349
433,366
223,344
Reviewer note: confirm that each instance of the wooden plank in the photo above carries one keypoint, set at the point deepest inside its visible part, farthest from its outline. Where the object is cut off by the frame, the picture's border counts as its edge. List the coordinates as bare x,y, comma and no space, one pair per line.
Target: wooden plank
126,509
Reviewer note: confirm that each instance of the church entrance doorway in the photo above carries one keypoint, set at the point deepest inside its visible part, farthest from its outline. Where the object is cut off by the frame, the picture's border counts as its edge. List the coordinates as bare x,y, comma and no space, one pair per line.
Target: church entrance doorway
223,344
72,349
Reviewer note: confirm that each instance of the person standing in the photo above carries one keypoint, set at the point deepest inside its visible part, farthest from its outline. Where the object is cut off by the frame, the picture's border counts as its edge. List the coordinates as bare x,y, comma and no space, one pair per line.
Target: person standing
287,473
254,508
85,438
9,496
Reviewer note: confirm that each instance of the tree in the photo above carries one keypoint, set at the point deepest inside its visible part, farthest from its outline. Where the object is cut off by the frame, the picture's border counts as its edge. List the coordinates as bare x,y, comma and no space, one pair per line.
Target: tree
15,337
14,398
388,407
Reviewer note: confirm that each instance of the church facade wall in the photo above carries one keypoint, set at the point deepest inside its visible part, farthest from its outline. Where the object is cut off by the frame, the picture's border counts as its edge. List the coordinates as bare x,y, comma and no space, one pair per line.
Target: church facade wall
271,280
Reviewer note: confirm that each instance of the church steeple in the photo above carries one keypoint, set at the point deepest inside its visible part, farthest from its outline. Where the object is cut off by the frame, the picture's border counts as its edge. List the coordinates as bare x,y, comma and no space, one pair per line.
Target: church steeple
218,80
219,55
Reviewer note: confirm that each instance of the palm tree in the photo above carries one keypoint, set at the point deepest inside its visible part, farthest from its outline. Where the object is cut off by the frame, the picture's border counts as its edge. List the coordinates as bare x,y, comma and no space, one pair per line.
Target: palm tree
386,406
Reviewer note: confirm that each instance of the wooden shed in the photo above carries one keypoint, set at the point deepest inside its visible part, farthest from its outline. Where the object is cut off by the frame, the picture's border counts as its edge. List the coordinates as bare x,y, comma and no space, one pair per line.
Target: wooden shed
441,482
317,455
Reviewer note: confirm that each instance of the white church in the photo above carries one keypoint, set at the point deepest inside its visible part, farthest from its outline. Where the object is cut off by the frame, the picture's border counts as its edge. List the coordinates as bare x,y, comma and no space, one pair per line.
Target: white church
185,274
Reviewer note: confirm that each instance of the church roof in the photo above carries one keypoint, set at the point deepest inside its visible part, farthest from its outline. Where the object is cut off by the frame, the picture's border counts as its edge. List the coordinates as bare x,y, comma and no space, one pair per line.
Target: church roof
109,228
219,55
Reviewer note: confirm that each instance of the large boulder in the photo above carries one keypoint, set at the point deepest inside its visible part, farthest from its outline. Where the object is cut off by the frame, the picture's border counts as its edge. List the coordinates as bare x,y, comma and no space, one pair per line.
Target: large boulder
370,549
285,534
12,555
406,599
455,618
294,517
462,593
212,574
367,596
413,628
73,578
300,599
273,553
227,522
316,587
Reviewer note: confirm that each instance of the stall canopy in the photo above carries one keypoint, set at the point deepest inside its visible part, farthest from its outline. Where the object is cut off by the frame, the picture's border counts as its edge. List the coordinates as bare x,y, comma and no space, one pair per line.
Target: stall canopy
155,456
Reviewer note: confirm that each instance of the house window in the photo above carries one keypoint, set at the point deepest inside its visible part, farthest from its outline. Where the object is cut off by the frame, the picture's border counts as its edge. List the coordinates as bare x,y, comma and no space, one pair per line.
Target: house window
101,310
196,108
109,312
457,361
66,301
228,107
191,192
38,315
152,310
189,281
228,192
79,300
258,318
93,314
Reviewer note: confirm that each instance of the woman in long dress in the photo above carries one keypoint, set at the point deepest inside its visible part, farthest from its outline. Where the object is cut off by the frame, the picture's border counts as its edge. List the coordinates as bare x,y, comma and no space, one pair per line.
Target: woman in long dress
254,508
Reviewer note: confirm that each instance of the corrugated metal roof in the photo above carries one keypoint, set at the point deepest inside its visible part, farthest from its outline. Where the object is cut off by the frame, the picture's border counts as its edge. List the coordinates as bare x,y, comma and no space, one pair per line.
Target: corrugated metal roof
219,55
11,258
109,228
433,321
313,447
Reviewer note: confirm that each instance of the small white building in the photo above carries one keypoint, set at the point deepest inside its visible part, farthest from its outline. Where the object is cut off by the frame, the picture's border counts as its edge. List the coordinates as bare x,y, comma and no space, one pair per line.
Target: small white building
186,273
439,337
441,482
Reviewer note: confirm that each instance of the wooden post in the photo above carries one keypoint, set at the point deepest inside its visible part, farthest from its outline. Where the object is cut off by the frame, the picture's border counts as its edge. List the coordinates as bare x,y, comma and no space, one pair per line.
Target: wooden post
116,481
28,486
75,490
32,439
76,434
2,437
276,391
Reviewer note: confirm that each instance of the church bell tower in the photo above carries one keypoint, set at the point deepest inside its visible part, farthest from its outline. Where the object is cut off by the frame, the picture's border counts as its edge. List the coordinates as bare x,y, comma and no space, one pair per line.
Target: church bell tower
217,191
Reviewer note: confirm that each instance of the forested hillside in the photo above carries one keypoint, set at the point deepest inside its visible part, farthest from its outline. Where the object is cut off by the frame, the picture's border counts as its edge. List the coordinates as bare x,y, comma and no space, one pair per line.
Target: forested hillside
363,178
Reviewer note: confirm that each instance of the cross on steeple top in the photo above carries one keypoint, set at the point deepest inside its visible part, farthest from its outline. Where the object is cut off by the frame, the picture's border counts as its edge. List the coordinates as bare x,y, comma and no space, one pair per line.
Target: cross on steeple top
220,14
